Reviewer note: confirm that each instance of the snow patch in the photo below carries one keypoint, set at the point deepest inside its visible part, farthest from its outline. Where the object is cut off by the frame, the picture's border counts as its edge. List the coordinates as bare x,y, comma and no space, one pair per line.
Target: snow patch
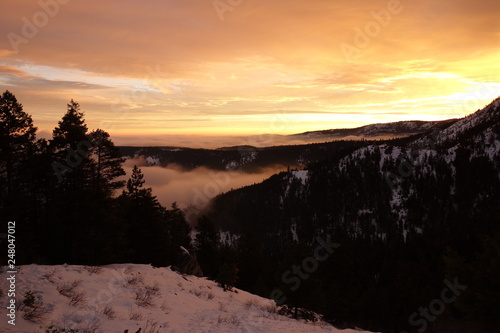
177,303
302,175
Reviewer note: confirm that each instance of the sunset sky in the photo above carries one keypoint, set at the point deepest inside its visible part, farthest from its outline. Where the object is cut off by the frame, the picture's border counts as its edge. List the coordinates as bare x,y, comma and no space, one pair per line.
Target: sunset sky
163,69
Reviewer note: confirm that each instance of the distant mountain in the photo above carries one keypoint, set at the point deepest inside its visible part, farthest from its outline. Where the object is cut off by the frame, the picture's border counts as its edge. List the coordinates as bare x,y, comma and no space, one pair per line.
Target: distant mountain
249,158
376,131
244,158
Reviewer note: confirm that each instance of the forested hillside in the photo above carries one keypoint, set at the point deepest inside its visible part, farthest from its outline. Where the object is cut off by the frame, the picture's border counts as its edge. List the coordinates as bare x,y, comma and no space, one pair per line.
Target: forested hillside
66,199
404,213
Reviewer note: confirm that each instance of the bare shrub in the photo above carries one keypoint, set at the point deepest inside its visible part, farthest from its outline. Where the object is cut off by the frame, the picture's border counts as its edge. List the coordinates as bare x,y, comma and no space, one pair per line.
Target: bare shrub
299,313
135,280
78,299
135,315
232,319
92,326
51,275
88,326
222,307
152,326
109,312
165,307
269,311
33,308
271,308
68,289
36,313
198,293
144,297
252,302
153,289
29,299
93,269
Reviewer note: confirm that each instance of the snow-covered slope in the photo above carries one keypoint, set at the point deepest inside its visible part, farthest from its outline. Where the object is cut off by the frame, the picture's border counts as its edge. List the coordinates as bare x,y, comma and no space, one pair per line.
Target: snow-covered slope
131,297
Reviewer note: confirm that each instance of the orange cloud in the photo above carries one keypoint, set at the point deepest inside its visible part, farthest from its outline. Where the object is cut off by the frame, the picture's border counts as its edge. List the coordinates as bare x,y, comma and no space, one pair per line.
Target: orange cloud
176,67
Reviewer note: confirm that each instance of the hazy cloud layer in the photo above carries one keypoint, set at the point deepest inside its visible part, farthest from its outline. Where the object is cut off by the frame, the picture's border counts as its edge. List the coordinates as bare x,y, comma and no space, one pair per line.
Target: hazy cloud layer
194,188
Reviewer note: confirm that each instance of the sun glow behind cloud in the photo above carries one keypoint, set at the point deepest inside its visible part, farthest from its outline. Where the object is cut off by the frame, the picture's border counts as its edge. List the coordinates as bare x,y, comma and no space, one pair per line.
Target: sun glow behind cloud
174,68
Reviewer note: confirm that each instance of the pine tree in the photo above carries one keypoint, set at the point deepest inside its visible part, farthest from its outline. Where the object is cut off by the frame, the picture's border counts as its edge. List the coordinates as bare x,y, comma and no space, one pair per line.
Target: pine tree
107,161
71,149
135,183
75,202
17,144
18,192
179,228
146,220
72,130
207,245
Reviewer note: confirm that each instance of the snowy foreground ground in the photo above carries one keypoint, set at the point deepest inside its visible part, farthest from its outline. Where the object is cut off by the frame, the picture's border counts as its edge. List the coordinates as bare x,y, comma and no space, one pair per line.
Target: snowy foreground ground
130,297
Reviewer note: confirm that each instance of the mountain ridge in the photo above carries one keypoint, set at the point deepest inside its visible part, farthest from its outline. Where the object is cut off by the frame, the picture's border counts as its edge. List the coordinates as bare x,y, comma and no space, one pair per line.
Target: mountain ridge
249,158
398,208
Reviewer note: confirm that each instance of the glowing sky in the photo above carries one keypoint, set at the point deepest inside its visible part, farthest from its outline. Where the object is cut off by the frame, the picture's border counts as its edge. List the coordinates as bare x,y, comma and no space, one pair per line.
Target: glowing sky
204,67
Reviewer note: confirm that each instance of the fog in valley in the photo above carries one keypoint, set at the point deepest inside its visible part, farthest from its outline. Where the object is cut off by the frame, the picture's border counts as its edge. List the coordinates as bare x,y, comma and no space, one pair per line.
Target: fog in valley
195,188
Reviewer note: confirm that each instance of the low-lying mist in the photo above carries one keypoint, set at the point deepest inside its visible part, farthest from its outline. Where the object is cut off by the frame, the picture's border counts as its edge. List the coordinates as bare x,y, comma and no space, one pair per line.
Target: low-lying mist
193,189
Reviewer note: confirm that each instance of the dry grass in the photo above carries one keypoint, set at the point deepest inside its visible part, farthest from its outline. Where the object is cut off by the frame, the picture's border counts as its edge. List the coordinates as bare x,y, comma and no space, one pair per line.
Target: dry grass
76,298
68,289
152,326
222,307
135,315
109,312
231,319
144,297
252,302
165,307
201,293
52,275
135,280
